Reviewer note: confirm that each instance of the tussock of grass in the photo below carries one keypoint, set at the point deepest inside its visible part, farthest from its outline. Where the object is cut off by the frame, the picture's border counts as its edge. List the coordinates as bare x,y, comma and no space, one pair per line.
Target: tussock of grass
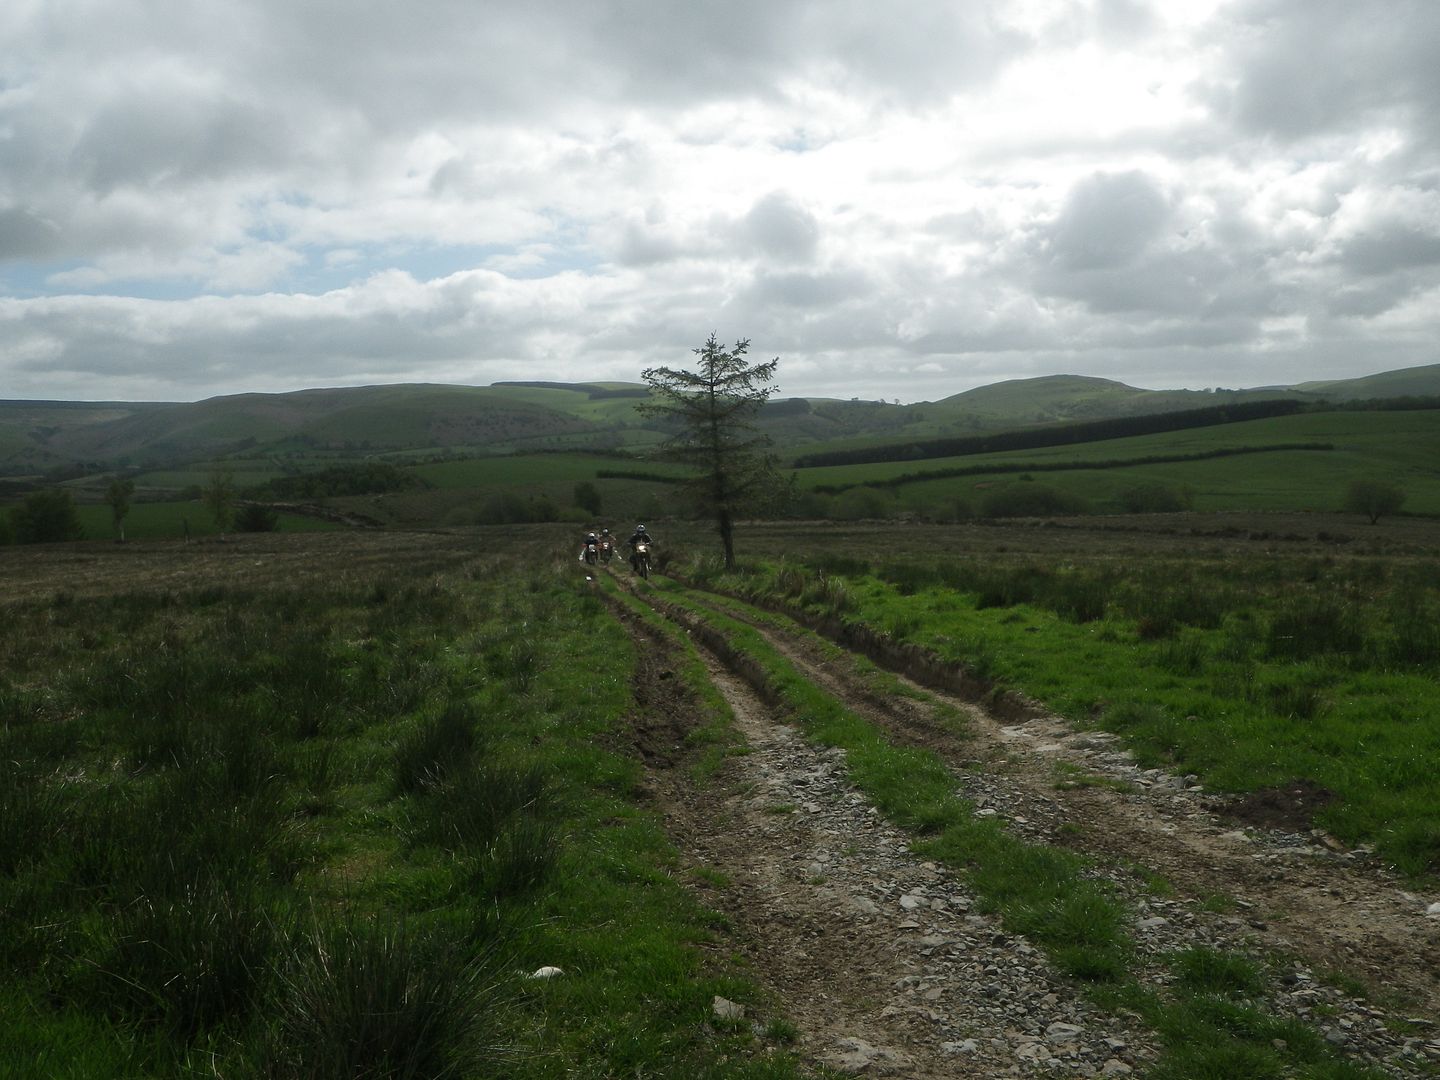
375,999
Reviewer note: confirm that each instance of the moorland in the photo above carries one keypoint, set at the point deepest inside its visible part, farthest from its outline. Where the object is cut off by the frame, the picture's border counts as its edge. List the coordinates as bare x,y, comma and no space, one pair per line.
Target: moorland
1136,774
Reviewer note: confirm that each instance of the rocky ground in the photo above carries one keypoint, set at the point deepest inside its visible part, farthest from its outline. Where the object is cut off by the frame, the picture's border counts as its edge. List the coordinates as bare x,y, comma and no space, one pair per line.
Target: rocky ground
886,966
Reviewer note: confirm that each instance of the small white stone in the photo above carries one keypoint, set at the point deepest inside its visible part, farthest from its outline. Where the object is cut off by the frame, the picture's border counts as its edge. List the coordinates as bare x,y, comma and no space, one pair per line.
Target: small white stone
725,1009
546,972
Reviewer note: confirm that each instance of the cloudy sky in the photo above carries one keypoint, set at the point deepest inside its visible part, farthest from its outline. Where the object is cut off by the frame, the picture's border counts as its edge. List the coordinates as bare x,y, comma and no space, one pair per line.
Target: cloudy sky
900,200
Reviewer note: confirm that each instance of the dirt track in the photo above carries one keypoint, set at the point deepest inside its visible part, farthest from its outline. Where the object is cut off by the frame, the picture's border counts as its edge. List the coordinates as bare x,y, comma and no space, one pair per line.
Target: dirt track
884,961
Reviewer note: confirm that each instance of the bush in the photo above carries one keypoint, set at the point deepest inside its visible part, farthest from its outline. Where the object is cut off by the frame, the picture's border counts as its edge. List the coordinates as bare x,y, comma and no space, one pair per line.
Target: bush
46,517
1373,498
257,517
587,497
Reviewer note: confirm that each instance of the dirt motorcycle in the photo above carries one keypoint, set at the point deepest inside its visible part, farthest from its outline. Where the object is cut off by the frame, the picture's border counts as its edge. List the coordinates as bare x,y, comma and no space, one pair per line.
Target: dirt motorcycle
607,550
592,552
641,559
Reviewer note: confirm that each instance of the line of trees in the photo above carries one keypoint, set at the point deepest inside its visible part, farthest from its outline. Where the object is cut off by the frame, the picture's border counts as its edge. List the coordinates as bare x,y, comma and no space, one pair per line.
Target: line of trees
1063,466
1034,438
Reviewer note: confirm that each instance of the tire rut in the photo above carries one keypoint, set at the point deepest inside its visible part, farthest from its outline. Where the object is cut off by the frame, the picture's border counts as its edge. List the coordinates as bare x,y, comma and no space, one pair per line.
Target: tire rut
882,959
1288,900
1288,894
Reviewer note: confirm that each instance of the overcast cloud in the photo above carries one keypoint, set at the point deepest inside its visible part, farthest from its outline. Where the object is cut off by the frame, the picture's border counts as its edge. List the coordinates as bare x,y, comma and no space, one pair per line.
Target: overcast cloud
900,200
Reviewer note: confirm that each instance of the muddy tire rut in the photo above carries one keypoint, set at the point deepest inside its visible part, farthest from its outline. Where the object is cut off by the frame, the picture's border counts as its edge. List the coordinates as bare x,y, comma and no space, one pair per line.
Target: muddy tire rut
884,961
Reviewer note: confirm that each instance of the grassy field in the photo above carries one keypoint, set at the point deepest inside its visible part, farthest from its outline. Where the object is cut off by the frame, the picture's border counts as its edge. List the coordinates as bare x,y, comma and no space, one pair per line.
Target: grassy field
318,806
527,470
1399,446
171,520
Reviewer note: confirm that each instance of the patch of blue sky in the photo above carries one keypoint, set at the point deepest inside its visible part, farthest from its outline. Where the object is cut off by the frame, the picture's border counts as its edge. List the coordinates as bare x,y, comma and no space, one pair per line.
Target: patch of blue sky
29,281
798,141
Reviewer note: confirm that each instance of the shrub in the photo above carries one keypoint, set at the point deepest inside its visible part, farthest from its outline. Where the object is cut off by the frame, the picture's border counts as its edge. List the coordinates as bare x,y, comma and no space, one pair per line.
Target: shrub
587,497
1374,498
46,517
257,517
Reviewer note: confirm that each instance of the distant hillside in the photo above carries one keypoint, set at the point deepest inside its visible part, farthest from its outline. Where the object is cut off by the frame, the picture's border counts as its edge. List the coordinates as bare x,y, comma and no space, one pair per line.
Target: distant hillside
304,429
1054,399
369,418
1408,382
33,433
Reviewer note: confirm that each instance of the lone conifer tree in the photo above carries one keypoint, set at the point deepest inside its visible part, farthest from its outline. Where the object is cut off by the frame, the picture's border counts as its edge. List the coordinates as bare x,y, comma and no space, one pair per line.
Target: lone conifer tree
118,494
714,407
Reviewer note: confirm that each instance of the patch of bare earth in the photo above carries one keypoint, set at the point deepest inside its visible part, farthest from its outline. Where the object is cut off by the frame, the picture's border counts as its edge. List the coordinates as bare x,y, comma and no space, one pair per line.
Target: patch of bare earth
887,967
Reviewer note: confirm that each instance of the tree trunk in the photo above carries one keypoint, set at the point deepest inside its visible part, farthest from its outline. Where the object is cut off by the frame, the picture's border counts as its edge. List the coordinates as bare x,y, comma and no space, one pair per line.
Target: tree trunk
727,537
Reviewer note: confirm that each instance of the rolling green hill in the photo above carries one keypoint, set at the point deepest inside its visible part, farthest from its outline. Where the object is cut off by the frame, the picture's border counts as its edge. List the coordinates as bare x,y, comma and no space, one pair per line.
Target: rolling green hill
310,428
1408,382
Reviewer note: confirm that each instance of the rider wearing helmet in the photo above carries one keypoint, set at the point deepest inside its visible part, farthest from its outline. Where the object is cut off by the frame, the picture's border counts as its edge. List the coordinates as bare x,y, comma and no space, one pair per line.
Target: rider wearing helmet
639,536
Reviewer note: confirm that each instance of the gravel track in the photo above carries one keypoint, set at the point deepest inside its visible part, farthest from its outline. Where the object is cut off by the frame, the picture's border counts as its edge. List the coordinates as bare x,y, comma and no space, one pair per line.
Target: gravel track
887,967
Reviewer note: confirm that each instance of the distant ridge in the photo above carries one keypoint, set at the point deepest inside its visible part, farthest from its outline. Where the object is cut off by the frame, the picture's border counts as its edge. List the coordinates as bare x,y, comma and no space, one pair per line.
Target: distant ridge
408,419
590,390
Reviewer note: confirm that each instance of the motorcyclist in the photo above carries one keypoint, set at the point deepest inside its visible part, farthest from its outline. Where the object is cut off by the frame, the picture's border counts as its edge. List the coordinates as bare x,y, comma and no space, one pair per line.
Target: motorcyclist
639,536
606,542
592,544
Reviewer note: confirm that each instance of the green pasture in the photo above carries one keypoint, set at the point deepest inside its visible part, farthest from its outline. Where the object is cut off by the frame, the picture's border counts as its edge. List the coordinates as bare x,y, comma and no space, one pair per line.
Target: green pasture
532,469
574,402
1400,446
247,472
467,492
